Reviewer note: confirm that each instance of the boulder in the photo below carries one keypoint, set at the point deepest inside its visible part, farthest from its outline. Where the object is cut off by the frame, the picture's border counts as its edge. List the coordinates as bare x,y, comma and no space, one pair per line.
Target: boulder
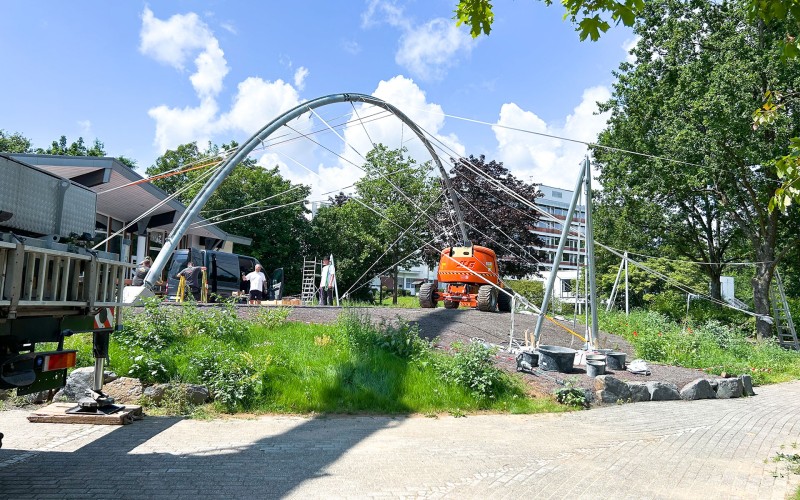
639,392
730,388
155,392
663,391
611,390
79,383
196,394
36,398
714,383
124,390
5,394
747,385
698,389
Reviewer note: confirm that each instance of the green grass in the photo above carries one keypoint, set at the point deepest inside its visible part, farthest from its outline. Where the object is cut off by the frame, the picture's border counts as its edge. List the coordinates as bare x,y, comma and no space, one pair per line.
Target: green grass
710,346
407,302
274,366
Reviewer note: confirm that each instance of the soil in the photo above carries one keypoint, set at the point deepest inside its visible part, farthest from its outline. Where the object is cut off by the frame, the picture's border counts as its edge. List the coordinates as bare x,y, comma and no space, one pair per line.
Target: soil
447,326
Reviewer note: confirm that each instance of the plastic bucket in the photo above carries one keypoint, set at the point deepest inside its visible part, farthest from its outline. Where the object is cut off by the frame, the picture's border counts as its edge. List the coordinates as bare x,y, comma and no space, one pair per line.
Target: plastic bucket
595,357
595,368
527,360
615,360
555,358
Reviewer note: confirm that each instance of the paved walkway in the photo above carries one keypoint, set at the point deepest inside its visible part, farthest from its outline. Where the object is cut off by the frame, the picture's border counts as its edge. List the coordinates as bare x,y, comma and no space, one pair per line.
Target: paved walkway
708,449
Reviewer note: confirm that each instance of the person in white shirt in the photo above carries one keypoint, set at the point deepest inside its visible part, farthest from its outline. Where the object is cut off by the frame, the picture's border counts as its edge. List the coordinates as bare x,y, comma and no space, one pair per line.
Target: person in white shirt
326,283
257,280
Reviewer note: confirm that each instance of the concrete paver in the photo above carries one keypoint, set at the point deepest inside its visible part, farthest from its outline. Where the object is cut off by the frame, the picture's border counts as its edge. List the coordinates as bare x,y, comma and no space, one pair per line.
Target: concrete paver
709,449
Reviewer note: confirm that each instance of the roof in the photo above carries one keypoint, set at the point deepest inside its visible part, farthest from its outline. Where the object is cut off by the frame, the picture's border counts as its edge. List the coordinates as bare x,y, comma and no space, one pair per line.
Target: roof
102,174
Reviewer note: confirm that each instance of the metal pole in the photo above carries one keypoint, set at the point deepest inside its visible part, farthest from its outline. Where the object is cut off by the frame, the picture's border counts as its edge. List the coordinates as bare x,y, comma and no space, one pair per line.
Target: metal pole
559,253
511,337
625,258
335,281
614,288
590,252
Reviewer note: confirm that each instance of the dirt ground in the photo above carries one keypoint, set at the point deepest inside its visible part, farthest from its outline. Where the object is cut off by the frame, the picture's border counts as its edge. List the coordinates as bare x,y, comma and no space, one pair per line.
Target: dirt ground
463,325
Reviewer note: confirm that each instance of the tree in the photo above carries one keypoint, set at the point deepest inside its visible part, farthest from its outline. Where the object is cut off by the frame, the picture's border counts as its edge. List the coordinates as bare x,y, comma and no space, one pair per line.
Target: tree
493,217
700,68
274,217
14,143
382,223
77,148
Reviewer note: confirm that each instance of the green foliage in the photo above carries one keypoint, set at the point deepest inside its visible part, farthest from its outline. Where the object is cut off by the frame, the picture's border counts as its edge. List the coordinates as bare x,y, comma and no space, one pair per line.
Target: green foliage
271,317
571,395
77,148
711,346
472,366
531,290
151,368
153,330
14,143
232,378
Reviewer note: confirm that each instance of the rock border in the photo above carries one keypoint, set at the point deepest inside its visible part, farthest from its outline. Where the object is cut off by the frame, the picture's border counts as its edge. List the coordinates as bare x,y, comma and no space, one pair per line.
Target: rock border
609,389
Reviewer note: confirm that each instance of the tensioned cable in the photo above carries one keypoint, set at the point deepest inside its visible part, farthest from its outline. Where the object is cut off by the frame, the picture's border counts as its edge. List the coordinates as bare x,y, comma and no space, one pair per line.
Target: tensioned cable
413,223
232,210
701,263
362,124
270,209
158,205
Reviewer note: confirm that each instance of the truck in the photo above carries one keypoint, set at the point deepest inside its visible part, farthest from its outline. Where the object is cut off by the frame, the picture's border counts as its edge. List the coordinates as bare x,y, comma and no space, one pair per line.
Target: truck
52,283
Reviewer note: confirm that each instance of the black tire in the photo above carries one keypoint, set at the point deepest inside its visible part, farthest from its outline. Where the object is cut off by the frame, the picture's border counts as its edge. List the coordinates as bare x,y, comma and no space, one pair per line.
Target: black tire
426,298
487,298
451,304
504,300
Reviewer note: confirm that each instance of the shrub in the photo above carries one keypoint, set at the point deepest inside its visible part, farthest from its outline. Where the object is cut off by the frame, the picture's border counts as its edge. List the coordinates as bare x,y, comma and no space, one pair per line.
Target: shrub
231,377
472,367
399,338
531,290
572,396
271,318
151,330
148,368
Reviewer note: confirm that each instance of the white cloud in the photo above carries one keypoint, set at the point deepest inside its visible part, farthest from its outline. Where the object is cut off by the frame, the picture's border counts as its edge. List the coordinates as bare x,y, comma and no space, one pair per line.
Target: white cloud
541,159
255,103
428,51
175,40
351,47
300,77
229,27
628,45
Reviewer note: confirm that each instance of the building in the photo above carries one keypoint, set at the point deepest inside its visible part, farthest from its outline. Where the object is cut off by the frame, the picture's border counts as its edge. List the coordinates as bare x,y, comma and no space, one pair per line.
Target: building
123,197
556,202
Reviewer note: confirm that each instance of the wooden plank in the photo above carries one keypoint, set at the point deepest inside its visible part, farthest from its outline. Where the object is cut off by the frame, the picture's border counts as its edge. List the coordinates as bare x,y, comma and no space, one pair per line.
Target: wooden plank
56,413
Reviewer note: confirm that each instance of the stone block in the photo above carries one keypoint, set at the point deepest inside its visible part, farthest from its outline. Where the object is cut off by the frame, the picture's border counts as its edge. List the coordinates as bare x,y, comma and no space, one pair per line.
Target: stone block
663,391
639,391
124,390
730,388
611,390
747,385
698,389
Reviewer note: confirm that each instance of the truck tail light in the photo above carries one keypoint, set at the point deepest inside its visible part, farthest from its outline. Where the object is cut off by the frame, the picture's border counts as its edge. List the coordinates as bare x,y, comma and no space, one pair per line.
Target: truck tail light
59,361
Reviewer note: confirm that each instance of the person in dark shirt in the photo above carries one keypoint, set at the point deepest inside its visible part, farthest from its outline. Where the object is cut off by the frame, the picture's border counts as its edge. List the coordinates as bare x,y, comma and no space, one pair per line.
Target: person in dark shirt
193,279
141,272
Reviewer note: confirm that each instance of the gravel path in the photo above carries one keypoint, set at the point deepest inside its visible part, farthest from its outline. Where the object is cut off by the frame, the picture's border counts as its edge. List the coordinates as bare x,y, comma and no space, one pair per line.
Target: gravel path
462,325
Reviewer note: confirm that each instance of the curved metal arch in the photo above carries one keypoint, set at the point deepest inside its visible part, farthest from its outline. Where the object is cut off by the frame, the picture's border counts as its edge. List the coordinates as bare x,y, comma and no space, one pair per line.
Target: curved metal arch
244,150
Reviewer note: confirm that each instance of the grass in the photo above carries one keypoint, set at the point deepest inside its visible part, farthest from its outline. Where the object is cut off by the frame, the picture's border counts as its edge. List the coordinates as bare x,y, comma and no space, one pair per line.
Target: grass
710,346
407,302
270,365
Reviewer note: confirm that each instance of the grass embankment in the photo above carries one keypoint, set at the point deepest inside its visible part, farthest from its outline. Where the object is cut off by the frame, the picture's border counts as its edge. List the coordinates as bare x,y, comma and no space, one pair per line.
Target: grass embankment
274,366
710,346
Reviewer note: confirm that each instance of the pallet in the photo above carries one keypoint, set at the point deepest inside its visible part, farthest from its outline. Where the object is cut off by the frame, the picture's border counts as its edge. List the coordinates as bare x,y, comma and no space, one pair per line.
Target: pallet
284,302
56,413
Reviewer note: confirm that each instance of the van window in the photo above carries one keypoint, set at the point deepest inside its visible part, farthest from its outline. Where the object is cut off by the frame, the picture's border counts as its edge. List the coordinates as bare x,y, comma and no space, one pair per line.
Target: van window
226,269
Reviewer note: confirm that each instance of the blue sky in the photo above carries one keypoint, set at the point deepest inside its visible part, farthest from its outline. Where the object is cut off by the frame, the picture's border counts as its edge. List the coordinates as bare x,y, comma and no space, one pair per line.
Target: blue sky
143,77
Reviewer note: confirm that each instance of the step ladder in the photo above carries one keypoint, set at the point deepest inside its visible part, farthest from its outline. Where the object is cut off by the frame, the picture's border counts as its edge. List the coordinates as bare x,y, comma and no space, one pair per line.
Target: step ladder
308,288
787,335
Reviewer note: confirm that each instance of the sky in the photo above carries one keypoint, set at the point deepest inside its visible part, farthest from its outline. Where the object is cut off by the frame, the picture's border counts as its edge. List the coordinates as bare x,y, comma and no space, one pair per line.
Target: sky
146,77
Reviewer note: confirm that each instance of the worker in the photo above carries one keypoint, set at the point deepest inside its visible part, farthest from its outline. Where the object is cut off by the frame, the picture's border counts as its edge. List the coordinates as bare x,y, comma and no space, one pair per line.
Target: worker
193,279
326,283
141,272
257,280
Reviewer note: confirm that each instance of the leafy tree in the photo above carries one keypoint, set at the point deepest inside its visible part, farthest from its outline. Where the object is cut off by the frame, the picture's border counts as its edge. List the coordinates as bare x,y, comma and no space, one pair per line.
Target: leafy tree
77,148
390,229
14,143
493,217
279,231
700,68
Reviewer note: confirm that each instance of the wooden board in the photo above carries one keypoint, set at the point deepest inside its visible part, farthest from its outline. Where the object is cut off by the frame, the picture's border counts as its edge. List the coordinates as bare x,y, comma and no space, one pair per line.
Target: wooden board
284,302
56,413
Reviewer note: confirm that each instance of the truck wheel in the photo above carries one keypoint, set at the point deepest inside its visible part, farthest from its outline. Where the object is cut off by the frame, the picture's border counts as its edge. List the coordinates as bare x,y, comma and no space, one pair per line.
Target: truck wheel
504,301
426,296
487,298
451,304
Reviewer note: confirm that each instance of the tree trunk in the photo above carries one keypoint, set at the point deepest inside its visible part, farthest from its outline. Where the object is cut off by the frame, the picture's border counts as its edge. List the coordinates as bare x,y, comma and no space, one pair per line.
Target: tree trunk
394,295
761,283
714,275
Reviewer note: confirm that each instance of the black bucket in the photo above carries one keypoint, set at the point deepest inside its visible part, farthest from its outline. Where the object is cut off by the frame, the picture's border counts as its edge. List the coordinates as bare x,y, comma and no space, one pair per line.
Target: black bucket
555,358
615,360
527,360
595,368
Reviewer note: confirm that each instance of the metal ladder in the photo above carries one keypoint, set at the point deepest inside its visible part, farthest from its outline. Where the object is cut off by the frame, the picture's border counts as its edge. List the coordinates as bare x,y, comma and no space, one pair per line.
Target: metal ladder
308,289
787,335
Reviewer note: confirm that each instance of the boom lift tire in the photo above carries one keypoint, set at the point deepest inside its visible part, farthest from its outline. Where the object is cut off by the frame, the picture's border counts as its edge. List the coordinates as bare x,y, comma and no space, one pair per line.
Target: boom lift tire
450,304
504,300
487,298
426,298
